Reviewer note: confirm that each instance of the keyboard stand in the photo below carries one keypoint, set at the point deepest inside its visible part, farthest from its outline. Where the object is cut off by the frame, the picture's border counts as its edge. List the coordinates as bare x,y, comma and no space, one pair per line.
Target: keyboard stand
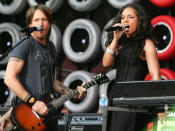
117,108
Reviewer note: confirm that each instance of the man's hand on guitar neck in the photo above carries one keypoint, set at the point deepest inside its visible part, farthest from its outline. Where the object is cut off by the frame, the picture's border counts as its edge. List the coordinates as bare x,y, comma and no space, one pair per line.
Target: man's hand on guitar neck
82,91
60,88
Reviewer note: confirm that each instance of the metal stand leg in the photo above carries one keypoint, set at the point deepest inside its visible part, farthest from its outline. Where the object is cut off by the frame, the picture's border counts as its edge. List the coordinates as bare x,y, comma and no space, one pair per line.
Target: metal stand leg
105,116
110,108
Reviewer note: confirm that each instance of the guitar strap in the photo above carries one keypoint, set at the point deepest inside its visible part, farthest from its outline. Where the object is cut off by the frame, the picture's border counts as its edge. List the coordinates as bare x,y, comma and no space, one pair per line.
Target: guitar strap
53,60
14,101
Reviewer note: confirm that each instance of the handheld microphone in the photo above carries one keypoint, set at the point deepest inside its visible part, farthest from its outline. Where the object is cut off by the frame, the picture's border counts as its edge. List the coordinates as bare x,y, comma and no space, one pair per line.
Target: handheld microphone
31,29
115,28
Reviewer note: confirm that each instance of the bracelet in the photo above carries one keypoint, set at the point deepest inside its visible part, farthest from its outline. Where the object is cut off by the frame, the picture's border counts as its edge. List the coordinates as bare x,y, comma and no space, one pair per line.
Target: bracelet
26,98
110,51
117,51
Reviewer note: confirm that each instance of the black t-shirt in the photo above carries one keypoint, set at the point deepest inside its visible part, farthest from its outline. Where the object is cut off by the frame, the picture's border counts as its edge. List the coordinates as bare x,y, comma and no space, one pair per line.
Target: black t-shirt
39,60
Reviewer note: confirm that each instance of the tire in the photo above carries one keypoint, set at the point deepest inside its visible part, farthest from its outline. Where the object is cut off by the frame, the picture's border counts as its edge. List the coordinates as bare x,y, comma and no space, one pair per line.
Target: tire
164,32
54,5
103,90
15,7
56,38
9,31
120,3
105,37
84,5
90,100
5,91
166,74
92,37
163,3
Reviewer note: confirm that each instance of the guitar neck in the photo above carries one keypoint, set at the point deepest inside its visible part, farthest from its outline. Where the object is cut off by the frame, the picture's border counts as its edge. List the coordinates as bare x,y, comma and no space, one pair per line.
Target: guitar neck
61,100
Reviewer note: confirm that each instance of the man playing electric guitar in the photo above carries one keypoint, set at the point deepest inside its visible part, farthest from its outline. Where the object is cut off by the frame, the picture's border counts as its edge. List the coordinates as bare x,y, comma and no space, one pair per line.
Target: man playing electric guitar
30,71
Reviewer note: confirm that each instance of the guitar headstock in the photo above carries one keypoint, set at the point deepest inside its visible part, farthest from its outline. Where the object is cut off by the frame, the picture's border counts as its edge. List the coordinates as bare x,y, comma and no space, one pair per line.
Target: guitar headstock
101,78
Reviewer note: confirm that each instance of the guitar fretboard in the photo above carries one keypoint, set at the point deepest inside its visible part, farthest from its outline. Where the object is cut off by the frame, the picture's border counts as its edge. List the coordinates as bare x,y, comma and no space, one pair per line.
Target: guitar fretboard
61,100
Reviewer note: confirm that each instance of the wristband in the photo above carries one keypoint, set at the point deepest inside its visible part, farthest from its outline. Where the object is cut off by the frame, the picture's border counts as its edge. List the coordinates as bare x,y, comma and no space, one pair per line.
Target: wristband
31,100
110,51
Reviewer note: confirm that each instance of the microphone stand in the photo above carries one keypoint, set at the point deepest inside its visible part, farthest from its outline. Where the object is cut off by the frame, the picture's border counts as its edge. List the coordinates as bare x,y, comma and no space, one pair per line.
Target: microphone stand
28,33
7,52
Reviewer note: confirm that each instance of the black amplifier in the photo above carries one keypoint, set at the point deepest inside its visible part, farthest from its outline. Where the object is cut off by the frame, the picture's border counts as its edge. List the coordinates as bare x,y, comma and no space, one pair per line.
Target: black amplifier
81,122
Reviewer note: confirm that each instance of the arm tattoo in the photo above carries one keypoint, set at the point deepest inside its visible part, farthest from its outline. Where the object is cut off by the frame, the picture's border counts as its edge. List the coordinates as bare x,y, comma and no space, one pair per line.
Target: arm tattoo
63,88
15,59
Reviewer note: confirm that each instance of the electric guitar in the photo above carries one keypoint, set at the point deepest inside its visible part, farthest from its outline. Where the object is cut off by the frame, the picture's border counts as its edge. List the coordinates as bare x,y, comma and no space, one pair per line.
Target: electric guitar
28,120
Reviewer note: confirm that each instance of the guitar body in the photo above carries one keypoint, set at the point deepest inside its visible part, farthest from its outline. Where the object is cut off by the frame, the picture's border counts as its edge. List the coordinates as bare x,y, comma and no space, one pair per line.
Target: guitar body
26,119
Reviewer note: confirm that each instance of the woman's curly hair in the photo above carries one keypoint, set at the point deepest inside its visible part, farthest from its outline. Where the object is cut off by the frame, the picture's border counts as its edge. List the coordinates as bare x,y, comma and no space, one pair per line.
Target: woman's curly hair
144,26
